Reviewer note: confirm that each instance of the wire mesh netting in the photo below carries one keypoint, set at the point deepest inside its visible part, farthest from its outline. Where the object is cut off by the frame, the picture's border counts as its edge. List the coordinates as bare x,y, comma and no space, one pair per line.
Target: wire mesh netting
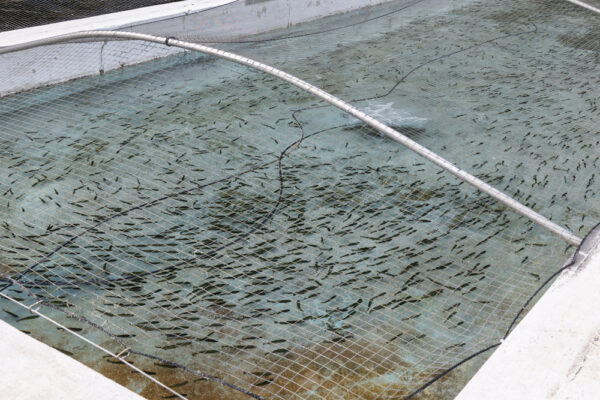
243,239
18,14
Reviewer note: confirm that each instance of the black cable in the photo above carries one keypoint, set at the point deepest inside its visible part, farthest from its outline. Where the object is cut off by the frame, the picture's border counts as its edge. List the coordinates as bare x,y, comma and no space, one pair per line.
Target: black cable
301,35
576,260
446,372
134,276
410,72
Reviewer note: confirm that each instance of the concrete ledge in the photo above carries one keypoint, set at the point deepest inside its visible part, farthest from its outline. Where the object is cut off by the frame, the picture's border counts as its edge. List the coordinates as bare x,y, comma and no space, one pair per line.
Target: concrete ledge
113,21
34,371
217,20
554,353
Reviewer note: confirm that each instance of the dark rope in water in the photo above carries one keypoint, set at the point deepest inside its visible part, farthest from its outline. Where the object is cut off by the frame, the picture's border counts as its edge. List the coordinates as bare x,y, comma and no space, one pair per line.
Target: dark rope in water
447,371
302,35
414,69
575,261
134,276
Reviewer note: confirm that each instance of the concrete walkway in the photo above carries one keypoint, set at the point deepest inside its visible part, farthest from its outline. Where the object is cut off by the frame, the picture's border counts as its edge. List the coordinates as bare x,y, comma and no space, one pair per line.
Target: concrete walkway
31,370
554,353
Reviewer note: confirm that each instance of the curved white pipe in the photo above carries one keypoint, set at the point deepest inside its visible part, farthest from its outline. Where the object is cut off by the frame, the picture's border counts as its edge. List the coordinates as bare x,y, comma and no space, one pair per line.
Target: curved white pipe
585,5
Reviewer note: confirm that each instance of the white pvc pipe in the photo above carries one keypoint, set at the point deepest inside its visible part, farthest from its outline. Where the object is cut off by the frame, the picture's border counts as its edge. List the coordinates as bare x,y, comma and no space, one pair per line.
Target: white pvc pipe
342,105
585,5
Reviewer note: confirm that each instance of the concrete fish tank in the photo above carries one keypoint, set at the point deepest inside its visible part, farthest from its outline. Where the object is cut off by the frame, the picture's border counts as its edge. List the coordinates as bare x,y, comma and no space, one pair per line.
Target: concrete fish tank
235,237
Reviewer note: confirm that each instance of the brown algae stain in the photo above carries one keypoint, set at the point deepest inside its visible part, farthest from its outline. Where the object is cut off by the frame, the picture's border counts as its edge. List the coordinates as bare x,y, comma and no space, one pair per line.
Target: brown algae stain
5,270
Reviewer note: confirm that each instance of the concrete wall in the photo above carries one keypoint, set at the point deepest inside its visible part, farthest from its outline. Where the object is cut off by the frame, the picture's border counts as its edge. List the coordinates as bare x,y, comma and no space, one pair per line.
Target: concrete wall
210,19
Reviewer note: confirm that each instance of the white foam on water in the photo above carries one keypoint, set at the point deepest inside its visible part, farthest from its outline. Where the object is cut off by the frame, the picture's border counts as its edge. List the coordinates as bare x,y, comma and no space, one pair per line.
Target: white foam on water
392,115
